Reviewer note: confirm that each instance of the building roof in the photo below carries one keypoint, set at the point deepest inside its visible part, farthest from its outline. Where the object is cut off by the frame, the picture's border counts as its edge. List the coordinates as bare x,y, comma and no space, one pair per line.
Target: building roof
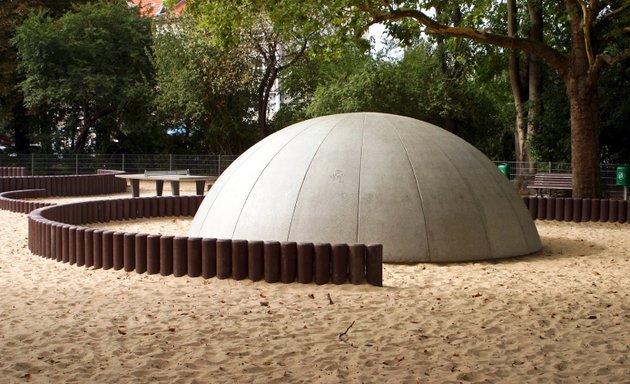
156,8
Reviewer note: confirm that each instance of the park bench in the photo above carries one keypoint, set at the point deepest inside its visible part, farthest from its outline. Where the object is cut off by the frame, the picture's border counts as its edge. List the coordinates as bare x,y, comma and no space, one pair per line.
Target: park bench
173,176
551,181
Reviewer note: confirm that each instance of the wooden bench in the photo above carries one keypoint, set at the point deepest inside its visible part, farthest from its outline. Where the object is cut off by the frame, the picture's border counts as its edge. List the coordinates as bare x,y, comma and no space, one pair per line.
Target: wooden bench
173,176
549,181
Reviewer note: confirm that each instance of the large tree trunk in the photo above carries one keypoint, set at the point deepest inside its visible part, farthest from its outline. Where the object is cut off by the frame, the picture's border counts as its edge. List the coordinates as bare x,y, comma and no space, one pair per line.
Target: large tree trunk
518,92
448,69
581,87
534,8
584,137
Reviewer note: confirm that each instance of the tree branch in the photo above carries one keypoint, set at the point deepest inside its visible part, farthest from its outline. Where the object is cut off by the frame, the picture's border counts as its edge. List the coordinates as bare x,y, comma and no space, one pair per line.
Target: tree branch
614,13
605,58
554,58
296,57
587,22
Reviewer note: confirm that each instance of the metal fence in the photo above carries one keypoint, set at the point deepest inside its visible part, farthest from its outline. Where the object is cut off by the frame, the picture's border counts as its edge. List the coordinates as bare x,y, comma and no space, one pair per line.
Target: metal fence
214,165
76,164
524,171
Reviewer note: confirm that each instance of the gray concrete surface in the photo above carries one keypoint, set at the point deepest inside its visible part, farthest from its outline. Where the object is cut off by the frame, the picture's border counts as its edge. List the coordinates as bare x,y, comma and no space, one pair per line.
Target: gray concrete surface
422,192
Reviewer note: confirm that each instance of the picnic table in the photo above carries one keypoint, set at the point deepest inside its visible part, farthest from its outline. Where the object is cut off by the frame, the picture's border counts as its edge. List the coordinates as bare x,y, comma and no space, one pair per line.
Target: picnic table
174,177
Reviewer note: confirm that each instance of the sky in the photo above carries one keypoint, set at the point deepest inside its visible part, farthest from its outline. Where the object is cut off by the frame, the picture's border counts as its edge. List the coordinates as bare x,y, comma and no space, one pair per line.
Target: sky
380,40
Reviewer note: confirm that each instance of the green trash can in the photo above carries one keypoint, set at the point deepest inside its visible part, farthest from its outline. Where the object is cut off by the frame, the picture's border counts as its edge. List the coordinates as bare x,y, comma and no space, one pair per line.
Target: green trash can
505,169
623,176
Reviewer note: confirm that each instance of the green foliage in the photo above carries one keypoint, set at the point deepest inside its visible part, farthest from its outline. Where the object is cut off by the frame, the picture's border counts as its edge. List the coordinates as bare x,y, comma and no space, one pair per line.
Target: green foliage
615,115
274,35
15,119
90,63
415,86
205,92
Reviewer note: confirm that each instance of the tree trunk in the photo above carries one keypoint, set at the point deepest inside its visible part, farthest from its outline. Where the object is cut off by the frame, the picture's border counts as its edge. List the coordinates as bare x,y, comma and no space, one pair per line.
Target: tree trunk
584,137
534,8
448,69
79,144
520,129
581,87
263,99
19,125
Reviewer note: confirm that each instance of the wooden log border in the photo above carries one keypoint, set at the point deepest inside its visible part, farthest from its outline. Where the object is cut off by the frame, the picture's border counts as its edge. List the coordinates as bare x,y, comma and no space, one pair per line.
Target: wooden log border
12,171
578,210
62,233
101,183
12,200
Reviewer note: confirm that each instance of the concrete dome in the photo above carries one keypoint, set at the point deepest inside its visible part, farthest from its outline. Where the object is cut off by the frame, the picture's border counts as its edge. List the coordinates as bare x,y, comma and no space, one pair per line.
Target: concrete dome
422,192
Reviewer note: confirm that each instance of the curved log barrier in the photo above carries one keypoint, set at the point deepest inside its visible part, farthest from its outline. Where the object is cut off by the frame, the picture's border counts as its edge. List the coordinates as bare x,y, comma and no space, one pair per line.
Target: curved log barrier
13,200
12,171
578,210
101,183
62,233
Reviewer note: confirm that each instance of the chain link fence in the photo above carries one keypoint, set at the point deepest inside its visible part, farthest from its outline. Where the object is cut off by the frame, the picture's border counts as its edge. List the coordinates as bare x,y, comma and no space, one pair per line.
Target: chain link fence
214,165
76,164
523,172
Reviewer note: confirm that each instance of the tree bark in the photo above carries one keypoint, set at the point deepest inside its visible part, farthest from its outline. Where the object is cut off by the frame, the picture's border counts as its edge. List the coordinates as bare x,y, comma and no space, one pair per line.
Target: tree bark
534,109
264,91
520,96
84,128
19,125
581,86
450,71
584,137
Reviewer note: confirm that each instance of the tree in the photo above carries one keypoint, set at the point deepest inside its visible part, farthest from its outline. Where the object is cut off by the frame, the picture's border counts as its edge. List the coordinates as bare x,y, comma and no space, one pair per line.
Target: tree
413,86
91,63
275,35
525,78
597,35
205,93
15,119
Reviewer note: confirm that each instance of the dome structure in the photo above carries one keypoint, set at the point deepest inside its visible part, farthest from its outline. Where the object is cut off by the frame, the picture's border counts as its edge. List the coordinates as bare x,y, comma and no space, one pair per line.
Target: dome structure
422,192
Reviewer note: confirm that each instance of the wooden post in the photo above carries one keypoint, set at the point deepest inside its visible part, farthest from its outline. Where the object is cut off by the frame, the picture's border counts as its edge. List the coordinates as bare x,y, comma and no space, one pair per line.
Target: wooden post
239,259
288,261
339,263
305,253
166,255
356,263
153,254
271,265
129,251
322,263
255,260
180,256
224,258
374,264
208,258
140,253
193,256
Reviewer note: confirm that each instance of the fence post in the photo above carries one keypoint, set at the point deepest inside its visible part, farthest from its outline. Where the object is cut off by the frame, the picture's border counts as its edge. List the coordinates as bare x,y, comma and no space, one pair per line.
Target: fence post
76,163
219,170
170,162
123,162
32,164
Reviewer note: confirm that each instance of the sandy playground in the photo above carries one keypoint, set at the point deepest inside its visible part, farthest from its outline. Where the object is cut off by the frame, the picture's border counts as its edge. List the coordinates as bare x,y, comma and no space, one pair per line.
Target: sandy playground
562,315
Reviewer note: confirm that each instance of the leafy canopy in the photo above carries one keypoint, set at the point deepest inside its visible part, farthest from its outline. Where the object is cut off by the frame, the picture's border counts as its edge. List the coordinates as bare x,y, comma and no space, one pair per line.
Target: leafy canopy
91,62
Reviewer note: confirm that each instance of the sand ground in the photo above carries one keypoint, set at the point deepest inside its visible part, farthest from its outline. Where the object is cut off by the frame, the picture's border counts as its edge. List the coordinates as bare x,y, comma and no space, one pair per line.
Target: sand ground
562,315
